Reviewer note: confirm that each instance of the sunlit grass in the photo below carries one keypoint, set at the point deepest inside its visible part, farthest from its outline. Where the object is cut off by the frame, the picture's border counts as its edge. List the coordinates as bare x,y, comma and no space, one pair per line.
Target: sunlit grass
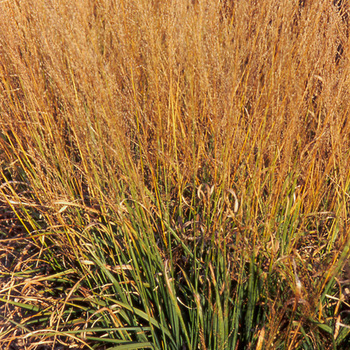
178,171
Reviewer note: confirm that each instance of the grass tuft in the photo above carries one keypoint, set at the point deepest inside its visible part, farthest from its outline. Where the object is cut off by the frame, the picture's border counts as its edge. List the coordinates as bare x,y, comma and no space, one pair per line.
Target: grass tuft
174,175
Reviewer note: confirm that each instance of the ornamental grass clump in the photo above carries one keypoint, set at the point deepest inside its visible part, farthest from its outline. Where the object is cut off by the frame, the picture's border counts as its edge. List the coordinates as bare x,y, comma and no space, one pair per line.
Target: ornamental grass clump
174,175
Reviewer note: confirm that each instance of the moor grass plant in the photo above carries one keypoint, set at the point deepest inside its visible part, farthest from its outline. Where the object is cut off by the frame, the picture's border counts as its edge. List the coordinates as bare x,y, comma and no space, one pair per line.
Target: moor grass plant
174,174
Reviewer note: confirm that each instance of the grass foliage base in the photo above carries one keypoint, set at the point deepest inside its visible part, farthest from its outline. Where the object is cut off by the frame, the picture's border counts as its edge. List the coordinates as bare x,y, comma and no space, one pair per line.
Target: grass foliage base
174,174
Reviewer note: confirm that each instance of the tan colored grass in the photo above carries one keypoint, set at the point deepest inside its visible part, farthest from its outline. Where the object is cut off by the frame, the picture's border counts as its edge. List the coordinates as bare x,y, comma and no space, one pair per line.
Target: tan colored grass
154,99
